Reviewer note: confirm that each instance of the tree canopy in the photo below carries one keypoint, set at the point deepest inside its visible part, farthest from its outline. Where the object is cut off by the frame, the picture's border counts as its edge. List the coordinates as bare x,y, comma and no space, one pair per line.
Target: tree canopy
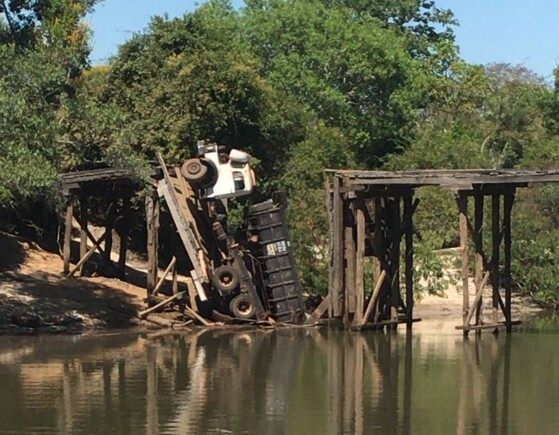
301,84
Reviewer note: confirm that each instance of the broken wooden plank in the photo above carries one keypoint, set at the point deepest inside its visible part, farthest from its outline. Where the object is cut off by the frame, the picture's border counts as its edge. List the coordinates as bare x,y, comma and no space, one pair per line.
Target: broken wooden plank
86,257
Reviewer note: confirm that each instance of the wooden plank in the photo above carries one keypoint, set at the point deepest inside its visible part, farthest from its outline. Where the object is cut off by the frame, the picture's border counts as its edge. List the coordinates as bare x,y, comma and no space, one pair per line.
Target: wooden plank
479,293
67,249
382,323
487,326
170,267
192,293
374,297
144,313
495,258
165,188
319,311
463,208
359,263
86,257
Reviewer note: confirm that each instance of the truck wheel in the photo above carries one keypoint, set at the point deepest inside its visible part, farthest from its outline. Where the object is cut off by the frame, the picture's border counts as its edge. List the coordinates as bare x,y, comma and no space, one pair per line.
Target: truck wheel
194,170
225,279
241,306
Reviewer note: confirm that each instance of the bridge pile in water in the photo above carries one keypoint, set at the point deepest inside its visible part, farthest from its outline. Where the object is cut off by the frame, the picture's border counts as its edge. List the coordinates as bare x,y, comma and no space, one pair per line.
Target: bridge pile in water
371,216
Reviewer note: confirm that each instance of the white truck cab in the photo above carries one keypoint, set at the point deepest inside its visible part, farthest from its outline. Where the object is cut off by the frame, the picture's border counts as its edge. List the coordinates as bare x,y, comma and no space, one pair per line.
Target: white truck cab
219,175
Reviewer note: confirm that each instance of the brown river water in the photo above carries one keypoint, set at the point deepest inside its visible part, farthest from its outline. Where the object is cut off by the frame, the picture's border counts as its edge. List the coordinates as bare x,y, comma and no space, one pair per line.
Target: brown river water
298,381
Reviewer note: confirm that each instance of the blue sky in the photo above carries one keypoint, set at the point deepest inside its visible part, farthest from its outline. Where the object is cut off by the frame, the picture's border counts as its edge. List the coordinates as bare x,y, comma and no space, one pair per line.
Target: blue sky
512,31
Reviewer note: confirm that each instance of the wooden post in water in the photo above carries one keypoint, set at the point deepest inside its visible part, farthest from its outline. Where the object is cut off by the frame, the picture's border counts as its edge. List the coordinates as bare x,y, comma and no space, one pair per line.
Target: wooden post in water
478,242
463,208
508,203
337,237
349,266
408,229
495,258
152,224
359,264
67,250
395,235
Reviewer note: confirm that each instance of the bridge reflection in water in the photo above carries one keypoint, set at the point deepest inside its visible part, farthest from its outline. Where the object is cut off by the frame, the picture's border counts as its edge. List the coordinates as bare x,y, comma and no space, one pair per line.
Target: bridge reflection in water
286,381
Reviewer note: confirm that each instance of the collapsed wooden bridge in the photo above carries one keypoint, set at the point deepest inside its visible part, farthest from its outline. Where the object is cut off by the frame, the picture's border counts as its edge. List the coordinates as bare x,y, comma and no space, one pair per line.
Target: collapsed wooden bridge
371,216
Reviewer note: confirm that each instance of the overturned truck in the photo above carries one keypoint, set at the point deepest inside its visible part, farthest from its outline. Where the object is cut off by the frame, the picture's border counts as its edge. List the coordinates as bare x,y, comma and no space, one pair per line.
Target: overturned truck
251,277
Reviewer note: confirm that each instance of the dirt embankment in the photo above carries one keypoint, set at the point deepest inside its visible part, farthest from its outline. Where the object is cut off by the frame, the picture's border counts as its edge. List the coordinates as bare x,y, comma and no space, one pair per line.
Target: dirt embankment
36,297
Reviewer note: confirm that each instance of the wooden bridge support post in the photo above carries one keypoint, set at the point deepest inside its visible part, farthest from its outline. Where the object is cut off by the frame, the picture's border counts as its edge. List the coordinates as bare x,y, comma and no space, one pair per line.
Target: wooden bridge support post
109,225
463,208
495,258
508,203
152,225
395,235
329,200
478,242
123,233
67,249
83,228
408,230
359,263
336,286
349,263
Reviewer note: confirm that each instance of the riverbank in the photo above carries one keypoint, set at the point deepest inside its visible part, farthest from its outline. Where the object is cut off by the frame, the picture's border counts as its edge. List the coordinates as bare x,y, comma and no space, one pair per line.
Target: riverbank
36,298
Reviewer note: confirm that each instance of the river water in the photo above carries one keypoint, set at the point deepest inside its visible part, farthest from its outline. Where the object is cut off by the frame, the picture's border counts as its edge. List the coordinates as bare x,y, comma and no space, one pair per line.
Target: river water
299,381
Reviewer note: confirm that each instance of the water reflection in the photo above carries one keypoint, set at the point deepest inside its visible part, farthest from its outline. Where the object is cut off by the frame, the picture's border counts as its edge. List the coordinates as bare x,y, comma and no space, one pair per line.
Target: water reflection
287,381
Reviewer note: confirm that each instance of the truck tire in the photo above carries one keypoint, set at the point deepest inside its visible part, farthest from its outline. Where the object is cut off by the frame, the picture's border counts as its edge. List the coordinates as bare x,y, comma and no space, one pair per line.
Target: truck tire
241,306
225,279
194,170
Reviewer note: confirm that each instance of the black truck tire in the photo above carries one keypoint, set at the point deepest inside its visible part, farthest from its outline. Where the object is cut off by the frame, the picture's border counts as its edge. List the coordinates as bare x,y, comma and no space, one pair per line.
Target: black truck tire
241,306
225,279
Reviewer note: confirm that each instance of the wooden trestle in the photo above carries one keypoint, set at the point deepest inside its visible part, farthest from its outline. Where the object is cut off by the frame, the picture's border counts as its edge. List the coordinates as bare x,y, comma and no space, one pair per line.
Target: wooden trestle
371,222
